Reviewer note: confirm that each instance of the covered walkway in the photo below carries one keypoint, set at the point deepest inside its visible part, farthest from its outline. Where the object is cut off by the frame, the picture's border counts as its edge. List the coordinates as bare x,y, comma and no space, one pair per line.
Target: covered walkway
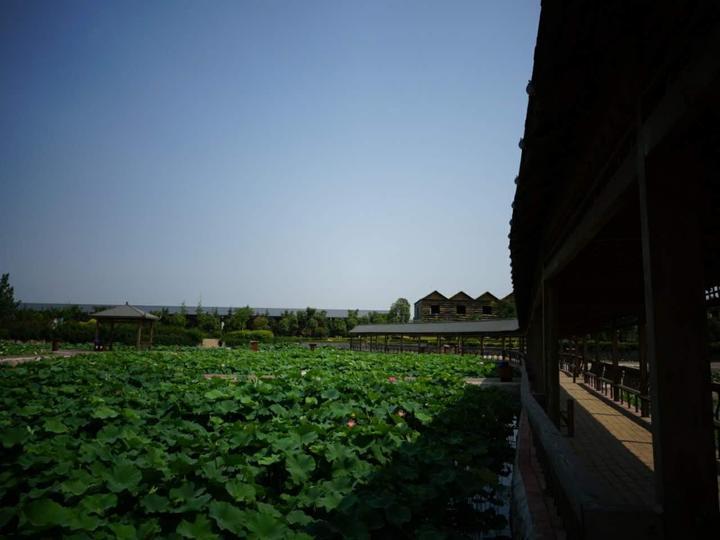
613,447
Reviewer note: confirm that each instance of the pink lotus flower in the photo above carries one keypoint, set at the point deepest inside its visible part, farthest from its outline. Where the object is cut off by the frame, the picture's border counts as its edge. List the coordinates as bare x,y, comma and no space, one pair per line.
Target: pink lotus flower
351,423
392,379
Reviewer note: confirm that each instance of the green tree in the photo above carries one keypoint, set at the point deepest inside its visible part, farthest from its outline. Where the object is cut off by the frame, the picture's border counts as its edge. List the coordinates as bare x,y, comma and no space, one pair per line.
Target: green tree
8,305
376,318
352,319
506,310
260,323
399,311
240,318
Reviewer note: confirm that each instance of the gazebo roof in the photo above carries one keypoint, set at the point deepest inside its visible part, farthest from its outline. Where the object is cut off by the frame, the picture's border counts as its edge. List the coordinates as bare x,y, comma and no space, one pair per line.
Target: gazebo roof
126,312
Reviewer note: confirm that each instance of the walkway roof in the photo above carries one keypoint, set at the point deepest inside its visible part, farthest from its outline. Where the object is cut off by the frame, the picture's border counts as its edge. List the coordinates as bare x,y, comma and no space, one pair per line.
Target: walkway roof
461,328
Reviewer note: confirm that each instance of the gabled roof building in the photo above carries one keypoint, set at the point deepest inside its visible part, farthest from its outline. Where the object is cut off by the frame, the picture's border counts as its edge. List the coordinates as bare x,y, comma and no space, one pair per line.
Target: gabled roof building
459,307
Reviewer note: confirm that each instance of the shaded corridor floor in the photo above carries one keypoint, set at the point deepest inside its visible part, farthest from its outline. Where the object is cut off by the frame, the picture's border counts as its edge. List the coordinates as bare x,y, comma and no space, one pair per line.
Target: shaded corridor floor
615,448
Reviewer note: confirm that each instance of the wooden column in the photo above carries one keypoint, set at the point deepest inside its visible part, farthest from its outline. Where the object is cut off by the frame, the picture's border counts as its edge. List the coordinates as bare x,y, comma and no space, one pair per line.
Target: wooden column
615,362
683,447
551,360
152,332
112,333
482,346
534,364
97,333
418,344
643,360
139,335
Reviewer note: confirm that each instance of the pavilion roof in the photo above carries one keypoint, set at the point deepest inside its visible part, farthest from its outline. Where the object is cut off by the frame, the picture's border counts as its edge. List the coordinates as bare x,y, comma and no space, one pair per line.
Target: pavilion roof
124,312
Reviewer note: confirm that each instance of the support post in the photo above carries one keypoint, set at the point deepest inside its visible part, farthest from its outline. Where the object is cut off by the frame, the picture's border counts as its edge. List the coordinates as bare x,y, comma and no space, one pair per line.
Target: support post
97,334
671,195
550,351
482,346
615,363
139,335
642,358
112,333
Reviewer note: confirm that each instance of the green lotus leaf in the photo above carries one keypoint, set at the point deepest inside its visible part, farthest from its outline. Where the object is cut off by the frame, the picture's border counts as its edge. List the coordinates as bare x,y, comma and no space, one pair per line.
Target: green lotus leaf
228,517
299,466
155,503
200,529
99,502
55,425
123,476
12,436
124,531
240,491
46,513
104,412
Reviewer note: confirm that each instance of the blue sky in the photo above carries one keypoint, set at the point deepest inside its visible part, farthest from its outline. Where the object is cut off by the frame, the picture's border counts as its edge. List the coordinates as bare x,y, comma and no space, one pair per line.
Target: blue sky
327,153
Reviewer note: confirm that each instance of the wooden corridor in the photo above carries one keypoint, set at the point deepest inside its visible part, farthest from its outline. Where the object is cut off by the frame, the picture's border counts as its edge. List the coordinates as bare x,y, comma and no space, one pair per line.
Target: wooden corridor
615,449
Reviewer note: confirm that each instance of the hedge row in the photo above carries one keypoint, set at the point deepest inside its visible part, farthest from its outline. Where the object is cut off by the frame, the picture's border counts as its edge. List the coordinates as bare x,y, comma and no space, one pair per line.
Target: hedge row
242,337
84,332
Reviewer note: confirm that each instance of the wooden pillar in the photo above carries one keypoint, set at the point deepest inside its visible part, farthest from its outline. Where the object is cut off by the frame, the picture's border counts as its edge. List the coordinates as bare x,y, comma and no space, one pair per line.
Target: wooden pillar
671,196
551,359
402,344
642,359
418,344
534,360
438,345
462,345
97,333
615,362
139,335
152,332
112,333
482,346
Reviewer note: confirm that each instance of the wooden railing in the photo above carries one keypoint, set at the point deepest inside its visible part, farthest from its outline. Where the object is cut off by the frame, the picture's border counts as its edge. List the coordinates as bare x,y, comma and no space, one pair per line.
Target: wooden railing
619,384
716,419
587,509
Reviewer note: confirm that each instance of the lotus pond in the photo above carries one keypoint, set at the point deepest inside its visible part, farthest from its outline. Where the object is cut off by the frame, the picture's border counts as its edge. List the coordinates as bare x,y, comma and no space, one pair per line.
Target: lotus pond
284,443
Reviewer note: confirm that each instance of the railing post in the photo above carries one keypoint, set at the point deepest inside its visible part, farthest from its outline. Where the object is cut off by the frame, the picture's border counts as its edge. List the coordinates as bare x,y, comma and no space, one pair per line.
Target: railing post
571,417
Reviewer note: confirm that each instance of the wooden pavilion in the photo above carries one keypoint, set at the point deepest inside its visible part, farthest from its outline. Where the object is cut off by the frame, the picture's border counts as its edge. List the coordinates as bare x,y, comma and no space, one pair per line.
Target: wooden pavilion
616,218
127,314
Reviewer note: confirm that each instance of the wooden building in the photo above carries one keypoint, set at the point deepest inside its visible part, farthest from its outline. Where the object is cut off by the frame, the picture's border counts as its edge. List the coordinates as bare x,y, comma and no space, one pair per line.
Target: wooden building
616,218
459,307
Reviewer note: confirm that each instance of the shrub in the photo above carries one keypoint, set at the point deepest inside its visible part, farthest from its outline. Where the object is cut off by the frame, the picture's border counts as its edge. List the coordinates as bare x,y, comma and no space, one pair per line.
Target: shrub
173,335
242,337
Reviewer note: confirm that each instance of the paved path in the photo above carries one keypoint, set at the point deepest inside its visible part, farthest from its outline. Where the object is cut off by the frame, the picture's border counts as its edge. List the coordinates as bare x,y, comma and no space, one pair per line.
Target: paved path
614,447
15,360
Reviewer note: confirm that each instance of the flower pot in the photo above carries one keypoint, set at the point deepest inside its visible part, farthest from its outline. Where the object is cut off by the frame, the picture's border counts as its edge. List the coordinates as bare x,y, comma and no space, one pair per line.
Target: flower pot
504,371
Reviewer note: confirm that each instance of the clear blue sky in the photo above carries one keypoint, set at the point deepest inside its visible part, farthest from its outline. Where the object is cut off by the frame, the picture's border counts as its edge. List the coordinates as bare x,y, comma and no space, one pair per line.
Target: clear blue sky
331,153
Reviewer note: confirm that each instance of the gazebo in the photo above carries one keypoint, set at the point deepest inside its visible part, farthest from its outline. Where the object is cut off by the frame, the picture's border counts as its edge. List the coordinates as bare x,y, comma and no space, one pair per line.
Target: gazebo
127,314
